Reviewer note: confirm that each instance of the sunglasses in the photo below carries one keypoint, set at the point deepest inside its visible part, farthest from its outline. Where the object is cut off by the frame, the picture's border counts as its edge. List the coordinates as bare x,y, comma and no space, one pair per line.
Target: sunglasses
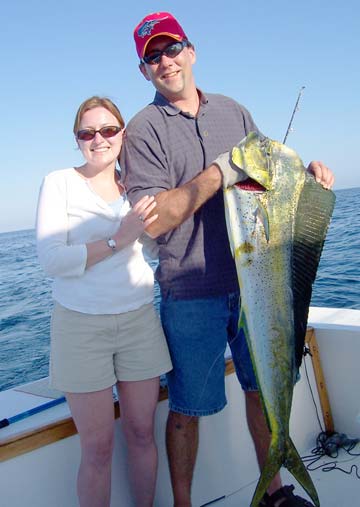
170,51
89,134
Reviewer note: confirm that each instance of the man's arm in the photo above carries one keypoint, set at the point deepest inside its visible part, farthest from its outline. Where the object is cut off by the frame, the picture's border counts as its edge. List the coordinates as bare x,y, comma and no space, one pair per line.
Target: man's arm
177,205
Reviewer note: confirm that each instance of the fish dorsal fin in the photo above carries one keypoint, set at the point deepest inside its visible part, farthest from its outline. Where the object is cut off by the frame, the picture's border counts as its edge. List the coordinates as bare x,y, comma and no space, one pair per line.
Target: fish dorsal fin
314,210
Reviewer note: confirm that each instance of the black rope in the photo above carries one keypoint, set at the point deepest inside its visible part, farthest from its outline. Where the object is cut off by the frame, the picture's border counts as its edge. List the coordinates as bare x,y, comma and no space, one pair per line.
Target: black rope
329,443
322,449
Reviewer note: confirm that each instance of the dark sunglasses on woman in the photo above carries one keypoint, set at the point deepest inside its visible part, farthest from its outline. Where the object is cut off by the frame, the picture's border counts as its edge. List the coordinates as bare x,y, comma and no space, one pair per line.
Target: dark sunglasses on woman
89,134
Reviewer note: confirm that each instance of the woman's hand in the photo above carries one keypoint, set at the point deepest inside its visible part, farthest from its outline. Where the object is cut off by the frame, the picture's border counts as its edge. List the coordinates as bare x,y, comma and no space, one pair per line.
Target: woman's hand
136,221
131,228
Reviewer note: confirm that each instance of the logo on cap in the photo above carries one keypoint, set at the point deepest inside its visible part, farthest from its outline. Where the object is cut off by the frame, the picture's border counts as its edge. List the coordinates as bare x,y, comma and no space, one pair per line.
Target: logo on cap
147,27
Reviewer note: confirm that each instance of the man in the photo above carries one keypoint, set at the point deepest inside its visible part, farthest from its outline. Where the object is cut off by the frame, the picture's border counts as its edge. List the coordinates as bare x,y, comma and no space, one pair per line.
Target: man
177,148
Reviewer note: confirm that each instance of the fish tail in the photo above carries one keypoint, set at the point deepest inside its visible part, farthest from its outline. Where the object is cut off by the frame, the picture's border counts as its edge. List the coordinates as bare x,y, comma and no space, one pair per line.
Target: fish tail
274,461
283,453
296,467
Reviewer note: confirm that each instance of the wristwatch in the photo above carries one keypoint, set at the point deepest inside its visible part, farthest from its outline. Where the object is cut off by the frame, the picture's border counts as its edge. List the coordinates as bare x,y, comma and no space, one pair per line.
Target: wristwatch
111,243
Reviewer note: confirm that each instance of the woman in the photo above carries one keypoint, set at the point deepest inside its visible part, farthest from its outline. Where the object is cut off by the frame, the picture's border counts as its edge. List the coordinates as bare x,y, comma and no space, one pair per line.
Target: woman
104,329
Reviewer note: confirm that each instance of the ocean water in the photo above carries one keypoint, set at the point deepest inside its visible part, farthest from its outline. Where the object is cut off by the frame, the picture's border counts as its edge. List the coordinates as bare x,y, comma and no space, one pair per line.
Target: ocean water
25,292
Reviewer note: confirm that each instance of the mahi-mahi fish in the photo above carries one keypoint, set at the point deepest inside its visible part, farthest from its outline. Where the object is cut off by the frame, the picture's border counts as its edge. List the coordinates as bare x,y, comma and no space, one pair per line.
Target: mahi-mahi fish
277,226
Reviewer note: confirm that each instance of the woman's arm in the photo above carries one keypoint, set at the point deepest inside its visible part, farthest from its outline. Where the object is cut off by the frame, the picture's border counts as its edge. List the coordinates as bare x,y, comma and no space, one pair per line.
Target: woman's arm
131,228
56,257
60,259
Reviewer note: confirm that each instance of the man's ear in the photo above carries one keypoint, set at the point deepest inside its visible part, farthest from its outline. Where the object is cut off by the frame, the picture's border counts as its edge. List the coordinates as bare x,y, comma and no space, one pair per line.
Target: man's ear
191,50
143,71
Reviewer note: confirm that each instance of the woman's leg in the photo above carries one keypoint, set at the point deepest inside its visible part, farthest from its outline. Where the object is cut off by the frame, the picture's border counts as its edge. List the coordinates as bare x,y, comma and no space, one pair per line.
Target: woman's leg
93,414
138,401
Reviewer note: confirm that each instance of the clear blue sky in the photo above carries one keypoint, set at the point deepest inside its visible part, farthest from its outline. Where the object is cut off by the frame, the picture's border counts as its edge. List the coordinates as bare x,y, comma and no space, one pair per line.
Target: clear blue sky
55,54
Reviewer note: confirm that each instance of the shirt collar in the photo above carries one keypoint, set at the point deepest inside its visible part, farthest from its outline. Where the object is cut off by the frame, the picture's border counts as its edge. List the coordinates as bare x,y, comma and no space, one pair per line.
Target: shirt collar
171,109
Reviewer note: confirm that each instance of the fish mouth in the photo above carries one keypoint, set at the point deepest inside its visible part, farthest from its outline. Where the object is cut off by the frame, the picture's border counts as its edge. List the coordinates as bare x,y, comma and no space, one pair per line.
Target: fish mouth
250,185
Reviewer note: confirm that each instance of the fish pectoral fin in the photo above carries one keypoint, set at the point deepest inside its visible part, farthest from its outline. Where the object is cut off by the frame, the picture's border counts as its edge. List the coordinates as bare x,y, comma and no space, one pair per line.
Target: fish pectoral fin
262,216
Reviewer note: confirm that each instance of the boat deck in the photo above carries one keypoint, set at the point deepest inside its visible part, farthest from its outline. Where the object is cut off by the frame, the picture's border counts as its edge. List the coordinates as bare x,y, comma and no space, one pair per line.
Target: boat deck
226,473
335,488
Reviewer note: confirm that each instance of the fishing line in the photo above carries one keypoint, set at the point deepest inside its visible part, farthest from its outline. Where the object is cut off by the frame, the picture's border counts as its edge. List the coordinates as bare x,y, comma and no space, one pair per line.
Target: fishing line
221,354
223,497
217,358
308,352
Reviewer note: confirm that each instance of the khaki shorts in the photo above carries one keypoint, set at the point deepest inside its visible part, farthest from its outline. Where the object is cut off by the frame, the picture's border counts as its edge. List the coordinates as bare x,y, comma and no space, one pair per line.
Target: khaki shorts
93,352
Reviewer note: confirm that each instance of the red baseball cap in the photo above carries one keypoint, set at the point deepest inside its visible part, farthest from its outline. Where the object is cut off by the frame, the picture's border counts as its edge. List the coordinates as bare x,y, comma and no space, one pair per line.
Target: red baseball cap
157,23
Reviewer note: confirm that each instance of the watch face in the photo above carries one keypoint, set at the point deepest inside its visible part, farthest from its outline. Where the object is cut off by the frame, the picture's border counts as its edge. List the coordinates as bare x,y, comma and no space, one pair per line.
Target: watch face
112,243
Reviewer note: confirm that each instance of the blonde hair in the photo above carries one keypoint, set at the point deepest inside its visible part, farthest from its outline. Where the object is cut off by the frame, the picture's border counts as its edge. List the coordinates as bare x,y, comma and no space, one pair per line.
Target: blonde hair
93,102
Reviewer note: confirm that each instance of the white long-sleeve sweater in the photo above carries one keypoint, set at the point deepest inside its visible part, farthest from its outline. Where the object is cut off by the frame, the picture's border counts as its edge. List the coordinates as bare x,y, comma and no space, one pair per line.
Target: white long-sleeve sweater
69,215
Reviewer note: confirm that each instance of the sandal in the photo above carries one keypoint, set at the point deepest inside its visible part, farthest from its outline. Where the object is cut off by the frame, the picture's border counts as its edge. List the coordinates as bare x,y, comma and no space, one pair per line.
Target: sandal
287,497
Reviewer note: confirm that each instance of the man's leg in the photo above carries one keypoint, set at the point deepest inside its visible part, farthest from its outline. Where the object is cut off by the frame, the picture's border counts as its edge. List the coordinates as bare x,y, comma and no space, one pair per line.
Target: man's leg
259,433
182,439
197,335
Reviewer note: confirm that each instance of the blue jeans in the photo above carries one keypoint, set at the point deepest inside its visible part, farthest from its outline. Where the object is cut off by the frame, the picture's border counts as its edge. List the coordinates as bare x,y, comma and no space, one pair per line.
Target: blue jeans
197,331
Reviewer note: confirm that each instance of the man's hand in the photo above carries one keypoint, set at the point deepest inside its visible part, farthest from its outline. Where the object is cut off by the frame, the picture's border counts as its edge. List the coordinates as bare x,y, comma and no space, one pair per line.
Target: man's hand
322,174
231,174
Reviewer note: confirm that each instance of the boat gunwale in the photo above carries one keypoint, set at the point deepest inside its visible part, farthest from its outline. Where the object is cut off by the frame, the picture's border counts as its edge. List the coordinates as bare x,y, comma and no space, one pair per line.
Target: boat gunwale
45,434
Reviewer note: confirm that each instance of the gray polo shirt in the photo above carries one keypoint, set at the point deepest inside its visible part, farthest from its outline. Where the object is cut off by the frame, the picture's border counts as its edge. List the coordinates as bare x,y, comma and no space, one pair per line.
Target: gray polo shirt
164,148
